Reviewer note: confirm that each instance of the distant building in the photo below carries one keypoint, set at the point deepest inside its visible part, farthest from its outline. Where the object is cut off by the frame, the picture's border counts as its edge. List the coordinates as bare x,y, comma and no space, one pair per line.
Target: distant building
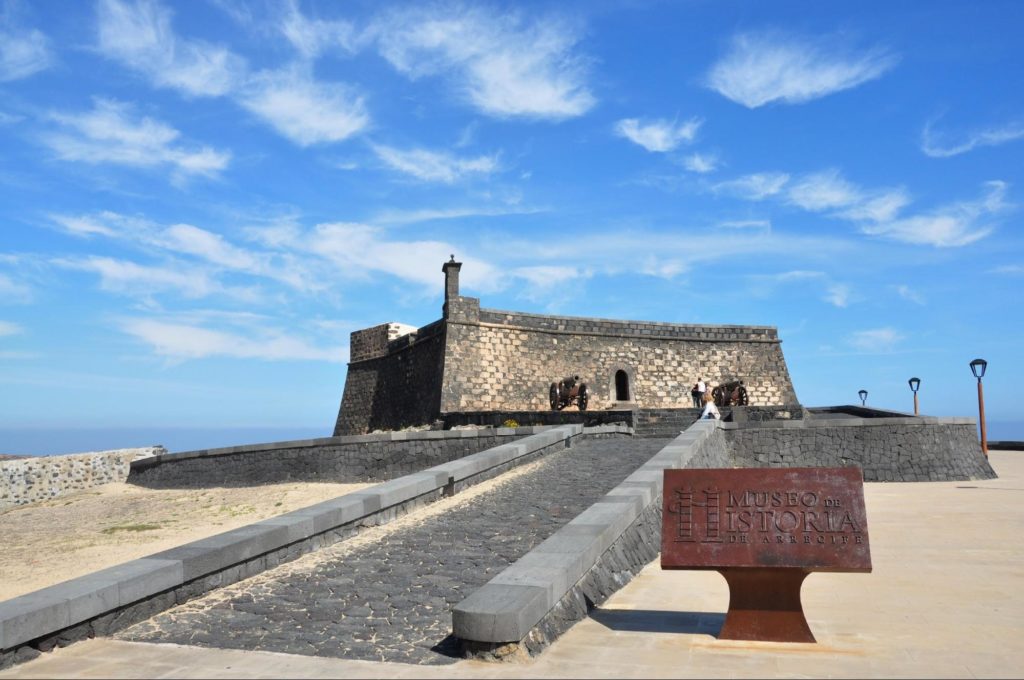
475,359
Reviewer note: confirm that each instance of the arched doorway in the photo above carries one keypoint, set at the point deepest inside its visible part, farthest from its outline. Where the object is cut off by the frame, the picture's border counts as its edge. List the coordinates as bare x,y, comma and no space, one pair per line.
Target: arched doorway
621,386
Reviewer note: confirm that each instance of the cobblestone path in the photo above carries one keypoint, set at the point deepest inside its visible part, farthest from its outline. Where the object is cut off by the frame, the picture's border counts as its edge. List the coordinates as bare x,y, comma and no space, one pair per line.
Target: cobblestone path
391,599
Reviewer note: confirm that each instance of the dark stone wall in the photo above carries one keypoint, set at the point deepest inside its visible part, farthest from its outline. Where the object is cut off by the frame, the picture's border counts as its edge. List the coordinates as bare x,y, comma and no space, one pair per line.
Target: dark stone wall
507,361
320,461
498,418
396,390
887,452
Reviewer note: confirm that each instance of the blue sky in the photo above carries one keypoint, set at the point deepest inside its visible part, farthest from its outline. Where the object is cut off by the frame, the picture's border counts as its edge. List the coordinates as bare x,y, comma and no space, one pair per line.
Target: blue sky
200,201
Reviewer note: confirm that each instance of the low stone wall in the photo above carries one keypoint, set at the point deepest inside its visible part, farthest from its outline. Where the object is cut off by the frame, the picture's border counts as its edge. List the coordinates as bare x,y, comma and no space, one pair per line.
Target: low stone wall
569,415
532,602
115,598
347,460
39,478
902,449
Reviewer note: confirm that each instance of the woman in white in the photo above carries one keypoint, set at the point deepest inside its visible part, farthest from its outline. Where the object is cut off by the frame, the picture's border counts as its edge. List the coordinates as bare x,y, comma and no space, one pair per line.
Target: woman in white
710,410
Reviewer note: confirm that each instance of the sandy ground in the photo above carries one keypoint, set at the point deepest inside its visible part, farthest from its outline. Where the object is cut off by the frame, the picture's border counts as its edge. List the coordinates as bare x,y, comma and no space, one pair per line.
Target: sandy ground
46,543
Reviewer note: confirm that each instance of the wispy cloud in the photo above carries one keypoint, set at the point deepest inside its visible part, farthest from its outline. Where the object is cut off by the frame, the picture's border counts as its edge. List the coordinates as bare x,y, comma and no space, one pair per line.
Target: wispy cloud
908,293
302,109
10,328
131,278
112,133
312,37
139,35
822,191
951,225
754,187
179,340
765,225
701,163
431,214
765,67
876,340
835,294
1008,269
502,64
12,291
939,145
435,166
658,135
23,51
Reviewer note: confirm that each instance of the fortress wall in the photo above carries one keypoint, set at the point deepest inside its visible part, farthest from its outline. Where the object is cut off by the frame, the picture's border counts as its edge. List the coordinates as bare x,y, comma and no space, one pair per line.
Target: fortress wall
366,458
40,478
909,449
507,361
392,384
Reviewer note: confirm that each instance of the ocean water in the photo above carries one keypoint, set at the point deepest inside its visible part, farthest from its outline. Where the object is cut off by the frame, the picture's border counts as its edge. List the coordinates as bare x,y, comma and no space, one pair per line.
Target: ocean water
56,441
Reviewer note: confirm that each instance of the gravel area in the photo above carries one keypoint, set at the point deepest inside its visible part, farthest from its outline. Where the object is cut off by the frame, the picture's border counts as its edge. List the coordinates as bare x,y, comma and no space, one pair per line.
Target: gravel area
389,597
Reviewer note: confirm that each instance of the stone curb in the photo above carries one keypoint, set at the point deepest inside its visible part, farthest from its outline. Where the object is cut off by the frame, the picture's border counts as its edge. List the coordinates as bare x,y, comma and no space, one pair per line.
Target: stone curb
46,611
152,461
818,421
506,608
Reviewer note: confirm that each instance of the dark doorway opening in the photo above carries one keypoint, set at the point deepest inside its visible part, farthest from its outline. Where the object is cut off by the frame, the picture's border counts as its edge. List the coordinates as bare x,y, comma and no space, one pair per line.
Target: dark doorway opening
621,386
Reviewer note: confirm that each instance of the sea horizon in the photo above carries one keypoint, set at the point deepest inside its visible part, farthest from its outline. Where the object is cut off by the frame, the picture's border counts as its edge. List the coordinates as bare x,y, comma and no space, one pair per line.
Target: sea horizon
56,441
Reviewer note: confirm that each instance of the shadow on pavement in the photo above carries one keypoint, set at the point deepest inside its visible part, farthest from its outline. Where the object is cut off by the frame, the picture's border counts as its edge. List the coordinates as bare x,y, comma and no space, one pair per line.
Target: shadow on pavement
657,621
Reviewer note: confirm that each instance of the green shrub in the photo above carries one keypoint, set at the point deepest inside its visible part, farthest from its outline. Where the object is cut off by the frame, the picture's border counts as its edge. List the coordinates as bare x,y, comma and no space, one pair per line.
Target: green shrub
510,423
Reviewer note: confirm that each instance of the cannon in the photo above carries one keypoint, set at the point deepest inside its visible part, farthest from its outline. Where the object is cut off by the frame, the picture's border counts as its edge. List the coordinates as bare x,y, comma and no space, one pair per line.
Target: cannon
731,393
567,392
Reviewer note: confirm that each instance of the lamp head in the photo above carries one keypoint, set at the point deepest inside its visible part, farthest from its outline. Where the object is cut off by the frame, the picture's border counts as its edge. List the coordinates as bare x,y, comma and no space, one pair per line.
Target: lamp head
978,367
915,384
863,394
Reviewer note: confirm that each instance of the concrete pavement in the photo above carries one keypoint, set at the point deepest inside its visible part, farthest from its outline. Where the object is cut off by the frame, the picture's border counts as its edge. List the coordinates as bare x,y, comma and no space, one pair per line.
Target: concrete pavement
945,599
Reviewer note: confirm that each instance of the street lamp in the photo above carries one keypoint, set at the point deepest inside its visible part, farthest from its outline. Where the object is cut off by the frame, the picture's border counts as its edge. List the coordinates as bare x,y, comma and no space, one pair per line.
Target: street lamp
978,367
915,385
863,394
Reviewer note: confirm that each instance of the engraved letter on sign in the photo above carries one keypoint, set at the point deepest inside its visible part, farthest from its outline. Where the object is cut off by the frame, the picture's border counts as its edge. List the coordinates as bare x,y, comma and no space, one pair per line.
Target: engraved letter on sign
765,530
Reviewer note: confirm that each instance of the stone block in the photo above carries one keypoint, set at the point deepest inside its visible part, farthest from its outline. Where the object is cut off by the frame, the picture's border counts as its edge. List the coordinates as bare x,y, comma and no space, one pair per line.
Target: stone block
208,555
31,616
499,613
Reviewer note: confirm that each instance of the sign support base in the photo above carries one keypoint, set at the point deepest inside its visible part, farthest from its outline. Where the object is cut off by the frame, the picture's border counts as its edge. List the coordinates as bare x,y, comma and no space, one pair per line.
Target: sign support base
764,604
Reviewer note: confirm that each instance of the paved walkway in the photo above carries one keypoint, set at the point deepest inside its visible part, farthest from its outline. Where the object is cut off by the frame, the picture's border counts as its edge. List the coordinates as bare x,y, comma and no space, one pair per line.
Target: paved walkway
391,600
946,599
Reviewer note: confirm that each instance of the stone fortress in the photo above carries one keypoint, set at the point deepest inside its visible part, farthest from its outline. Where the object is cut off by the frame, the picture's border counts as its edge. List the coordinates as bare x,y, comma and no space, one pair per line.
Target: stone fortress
476,360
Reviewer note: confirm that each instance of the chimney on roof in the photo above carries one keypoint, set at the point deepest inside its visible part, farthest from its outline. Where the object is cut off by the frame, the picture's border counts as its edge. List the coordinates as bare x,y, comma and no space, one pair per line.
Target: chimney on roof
451,281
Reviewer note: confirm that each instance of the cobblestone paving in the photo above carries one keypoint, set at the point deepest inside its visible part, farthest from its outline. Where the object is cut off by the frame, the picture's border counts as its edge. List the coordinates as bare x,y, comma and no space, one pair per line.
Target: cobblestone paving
391,600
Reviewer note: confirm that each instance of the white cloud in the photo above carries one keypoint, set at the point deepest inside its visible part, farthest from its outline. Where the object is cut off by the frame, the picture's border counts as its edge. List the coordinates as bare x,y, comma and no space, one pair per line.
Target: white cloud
503,65
139,35
765,67
126,277
22,52
955,224
936,146
908,293
746,224
658,135
701,163
1008,269
360,251
823,191
837,294
312,37
110,133
431,214
10,328
754,187
12,291
302,109
178,340
435,166
876,340
877,207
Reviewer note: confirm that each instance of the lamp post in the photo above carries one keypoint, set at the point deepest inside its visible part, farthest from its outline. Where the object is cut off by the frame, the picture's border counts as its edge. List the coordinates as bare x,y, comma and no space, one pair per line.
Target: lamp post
978,367
863,394
915,385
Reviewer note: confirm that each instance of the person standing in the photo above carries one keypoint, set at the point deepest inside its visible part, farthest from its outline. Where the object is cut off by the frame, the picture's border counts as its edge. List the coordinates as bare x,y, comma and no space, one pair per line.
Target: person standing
699,389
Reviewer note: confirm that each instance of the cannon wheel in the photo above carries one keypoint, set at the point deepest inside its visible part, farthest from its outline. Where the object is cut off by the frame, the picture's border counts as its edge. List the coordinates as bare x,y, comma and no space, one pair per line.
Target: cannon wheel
553,392
718,396
742,396
583,398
